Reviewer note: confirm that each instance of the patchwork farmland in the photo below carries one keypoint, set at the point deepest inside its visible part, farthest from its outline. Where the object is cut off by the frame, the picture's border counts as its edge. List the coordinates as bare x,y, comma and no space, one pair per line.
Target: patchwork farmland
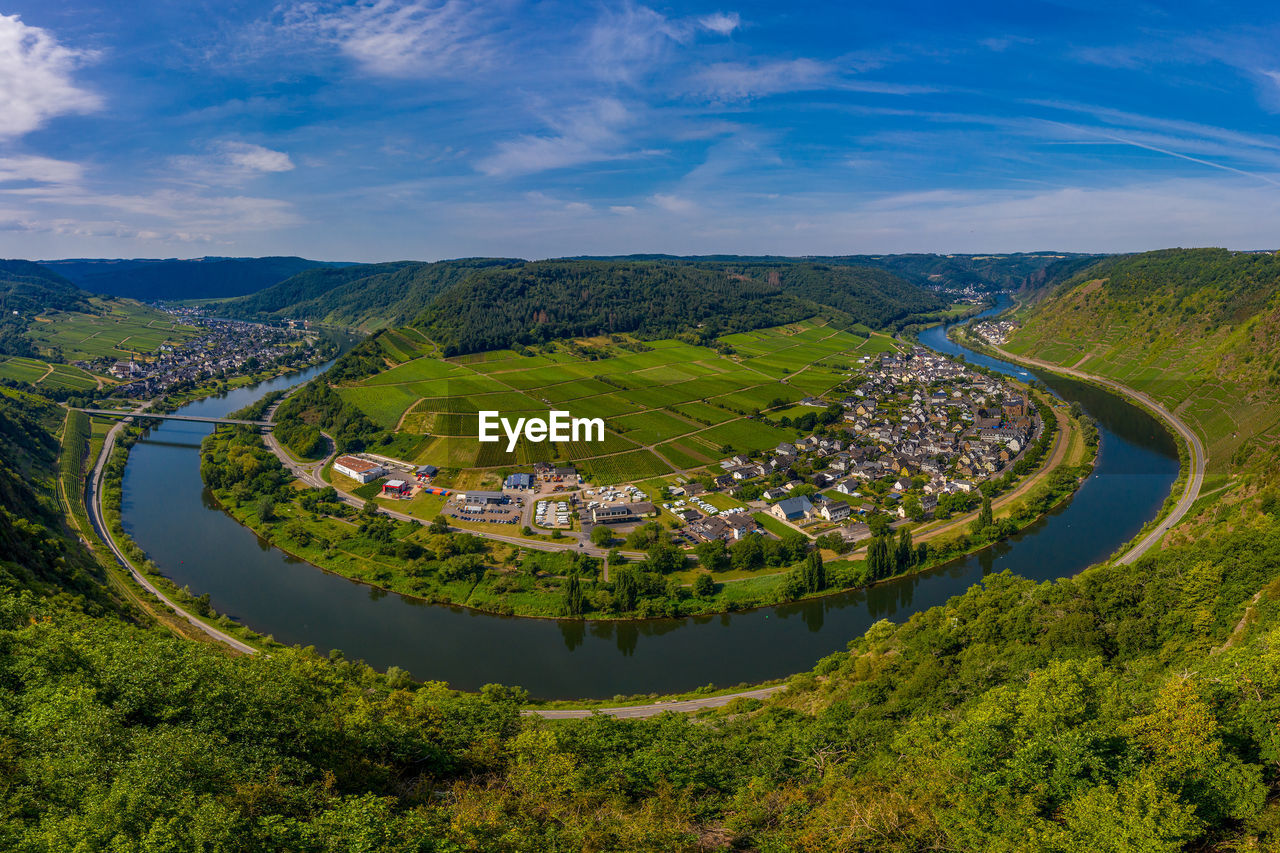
667,405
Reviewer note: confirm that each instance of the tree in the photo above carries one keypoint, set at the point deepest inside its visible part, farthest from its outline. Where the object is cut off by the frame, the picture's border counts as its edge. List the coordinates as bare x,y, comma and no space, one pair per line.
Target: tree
626,587
573,600
601,535
985,517
713,555
439,524
879,558
267,508
913,508
905,556
747,553
703,585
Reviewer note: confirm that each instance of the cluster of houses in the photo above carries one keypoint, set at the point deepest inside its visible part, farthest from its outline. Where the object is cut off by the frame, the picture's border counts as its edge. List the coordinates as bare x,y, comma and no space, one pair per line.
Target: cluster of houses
995,331
225,349
930,423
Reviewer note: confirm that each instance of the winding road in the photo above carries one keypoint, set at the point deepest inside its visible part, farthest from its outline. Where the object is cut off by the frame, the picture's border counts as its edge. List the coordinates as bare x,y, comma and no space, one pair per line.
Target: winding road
94,499
1194,446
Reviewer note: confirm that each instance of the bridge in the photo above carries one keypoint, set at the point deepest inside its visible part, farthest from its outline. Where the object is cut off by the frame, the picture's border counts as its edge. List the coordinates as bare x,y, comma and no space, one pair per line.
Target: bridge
113,413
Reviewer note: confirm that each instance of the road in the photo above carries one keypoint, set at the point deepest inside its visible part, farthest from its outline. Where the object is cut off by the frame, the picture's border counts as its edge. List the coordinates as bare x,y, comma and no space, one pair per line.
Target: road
638,711
1196,479
96,515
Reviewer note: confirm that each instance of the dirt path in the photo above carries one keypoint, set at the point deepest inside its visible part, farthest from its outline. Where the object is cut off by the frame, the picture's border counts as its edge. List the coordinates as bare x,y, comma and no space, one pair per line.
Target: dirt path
637,711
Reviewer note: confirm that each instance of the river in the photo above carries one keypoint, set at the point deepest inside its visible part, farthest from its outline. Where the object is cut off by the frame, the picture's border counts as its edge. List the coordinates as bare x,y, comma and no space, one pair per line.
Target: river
167,510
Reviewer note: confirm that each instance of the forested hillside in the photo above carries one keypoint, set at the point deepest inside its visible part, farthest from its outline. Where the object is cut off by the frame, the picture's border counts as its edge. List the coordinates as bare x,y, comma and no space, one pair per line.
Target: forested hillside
981,272
367,296
196,278
542,301
26,289
1199,329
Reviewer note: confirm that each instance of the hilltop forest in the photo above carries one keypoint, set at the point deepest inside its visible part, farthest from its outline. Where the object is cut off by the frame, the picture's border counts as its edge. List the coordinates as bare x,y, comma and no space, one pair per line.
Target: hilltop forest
1130,708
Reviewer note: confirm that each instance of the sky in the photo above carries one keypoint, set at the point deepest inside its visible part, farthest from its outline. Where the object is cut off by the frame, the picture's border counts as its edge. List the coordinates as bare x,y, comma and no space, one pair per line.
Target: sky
405,129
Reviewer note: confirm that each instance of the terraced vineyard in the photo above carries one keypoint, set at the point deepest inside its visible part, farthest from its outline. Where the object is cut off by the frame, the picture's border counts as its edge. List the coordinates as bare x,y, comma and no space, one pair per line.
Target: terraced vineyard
126,328
669,406
46,375
1161,324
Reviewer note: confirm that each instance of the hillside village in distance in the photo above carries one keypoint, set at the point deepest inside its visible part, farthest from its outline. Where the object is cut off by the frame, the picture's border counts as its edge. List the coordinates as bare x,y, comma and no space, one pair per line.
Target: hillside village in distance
226,348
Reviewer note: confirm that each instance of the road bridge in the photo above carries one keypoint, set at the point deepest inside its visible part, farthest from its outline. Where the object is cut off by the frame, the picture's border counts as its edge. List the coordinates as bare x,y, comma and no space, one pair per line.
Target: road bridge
114,413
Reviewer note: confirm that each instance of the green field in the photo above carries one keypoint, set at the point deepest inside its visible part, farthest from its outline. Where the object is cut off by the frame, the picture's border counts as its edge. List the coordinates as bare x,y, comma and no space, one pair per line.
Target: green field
691,403
124,328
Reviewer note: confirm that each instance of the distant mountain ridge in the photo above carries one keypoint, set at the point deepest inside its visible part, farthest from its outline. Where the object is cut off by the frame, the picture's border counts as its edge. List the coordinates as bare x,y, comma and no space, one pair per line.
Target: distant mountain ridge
176,279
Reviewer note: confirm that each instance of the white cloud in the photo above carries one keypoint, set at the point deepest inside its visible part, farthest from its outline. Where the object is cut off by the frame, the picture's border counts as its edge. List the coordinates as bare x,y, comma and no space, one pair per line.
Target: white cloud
673,203
36,78
399,38
229,162
721,23
255,158
42,170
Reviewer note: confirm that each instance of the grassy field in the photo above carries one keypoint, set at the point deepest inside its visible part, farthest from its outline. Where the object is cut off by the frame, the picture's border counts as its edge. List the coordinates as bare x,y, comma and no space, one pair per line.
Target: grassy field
692,404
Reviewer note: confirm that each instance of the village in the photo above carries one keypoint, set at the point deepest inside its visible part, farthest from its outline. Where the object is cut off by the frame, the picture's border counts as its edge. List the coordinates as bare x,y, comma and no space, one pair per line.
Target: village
995,331
910,437
227,348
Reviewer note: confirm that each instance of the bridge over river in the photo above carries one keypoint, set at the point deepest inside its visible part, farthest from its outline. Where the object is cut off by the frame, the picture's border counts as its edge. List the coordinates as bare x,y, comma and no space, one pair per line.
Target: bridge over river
115,413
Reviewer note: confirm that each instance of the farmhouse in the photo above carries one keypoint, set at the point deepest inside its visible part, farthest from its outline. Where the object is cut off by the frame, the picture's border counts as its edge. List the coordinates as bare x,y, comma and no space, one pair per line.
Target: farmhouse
358,469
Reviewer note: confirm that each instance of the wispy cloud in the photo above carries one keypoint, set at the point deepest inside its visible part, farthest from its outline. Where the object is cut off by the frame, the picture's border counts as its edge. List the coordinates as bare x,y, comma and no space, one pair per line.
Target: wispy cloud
726,81
399,38
591,134
41,170
36,78
627,41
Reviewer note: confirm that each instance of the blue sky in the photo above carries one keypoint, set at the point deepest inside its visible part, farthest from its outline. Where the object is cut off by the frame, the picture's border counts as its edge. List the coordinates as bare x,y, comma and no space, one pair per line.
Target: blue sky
390,129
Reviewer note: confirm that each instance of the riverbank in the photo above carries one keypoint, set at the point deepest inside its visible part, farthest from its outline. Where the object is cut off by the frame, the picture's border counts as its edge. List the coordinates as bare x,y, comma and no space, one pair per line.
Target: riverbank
128,568
1192,457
